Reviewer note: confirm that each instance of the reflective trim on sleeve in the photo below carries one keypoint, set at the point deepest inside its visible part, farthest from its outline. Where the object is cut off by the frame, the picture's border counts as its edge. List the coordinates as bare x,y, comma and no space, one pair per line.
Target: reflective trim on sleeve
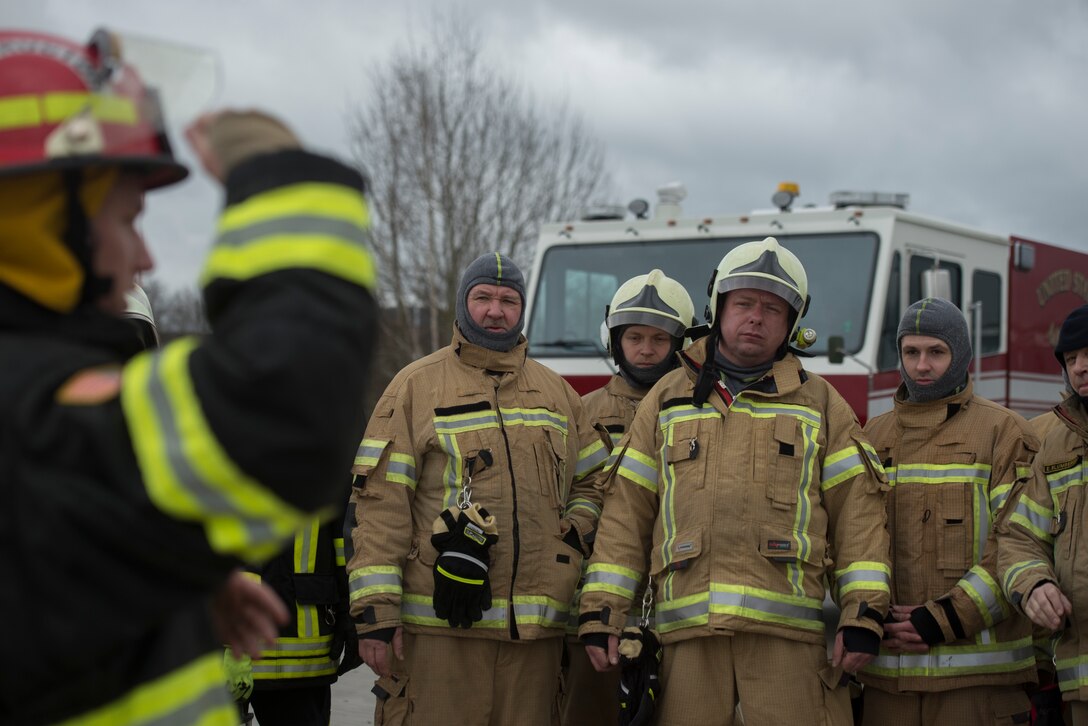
590,458
875,576
579,504
310,225
376,580
1017,569
1033,517
401,470
369,452
612,579
987,596
1072,673
191,694
639,468
999,495
840,466
186,472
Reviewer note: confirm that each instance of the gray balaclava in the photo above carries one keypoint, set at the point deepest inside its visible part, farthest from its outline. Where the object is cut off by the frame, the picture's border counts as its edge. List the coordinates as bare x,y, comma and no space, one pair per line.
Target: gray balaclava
491,268
937,318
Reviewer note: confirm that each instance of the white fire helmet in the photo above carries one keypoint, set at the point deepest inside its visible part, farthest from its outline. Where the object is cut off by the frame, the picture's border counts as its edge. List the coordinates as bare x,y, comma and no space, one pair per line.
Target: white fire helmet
652,299
138,308
764,265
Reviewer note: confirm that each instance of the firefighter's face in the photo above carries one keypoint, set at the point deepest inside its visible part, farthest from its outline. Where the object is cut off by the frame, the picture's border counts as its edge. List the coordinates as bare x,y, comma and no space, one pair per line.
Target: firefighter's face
753,326
644,346
494,308
925,358
1076,366
119,250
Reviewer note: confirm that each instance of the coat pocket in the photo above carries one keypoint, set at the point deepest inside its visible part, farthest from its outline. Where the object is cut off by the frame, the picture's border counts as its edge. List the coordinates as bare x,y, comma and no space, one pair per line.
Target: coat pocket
954,555
787,455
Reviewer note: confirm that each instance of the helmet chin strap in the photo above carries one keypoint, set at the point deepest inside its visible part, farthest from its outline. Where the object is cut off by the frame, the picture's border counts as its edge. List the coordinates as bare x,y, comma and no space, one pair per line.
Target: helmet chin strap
77,236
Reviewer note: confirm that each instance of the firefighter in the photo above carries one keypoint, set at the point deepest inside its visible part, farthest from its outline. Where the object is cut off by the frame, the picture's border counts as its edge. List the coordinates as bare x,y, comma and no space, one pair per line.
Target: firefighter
647,322
953,652
743,483
292,678
475,501
135,483
1040,558
138,311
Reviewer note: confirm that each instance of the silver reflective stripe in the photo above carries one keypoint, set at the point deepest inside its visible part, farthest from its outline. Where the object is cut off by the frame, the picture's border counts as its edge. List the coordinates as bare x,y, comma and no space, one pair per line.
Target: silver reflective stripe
258,530
841,466
269,666
925,474
541,613
666,615
426,610
849,578
444,425
513,418
462,556
1039,521
748,601
369,452
194,711
646,472
1064,479
591,462
308,225
615,579
373,580
290,646
403,468
1069,677
989,598
810,417
666,417
933,663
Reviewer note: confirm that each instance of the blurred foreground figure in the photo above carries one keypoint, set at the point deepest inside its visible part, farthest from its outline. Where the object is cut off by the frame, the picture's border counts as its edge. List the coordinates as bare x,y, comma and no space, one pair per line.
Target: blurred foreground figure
135,483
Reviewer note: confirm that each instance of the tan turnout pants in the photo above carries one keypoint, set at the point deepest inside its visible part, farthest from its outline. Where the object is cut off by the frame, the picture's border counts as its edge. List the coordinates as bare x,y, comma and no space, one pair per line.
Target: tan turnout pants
982,705
775,681
472,682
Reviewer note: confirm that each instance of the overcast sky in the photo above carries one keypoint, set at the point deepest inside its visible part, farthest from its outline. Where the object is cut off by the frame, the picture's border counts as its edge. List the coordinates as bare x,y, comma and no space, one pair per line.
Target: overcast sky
976,108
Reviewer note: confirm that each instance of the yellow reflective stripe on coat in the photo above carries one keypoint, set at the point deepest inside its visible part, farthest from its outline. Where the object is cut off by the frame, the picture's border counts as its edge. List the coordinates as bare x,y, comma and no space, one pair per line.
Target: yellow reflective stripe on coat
943,661
540,610
298,647
985,594
639,468
369,452
534,417
305,561
186,472
311,225
1072,673
419,610
31,110
591,458
277,669
1018,569
863,575
842,465
1065,479
338,547
612,579
446,429
192,694
580,504
1033,517
752,603
376,580
758,409
939,474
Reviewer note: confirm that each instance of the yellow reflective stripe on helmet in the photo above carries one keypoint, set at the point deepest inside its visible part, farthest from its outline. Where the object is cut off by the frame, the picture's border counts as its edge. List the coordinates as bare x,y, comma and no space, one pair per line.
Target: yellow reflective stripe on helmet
32,110
590,459
953,660
613,579
639,468
375,580
186,472
191,694
985,594
1018,569
310,225
863,575
419,610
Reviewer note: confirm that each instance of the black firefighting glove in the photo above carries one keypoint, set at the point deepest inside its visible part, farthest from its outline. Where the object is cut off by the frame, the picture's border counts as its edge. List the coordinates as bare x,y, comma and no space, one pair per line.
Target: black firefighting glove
640,660
345,640
462,590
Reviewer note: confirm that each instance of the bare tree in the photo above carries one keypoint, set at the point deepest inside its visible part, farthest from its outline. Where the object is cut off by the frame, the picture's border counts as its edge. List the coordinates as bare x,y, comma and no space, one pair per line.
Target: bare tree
462,160
177,312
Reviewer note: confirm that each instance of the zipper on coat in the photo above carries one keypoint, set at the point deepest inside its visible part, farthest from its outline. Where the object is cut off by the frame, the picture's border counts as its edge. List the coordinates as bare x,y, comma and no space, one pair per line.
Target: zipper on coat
516,532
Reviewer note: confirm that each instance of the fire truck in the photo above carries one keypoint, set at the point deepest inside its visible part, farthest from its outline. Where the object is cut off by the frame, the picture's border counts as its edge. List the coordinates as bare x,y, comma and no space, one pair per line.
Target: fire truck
867,260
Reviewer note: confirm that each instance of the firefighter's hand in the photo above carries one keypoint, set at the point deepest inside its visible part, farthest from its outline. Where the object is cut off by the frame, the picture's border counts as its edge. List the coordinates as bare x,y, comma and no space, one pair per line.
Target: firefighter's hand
375,652
900,634
198,136
1047,606
601,660
224,139
850,662
246,614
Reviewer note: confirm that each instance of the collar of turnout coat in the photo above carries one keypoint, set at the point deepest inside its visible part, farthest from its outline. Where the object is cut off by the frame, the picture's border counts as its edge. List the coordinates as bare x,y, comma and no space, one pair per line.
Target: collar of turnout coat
490,360
927,414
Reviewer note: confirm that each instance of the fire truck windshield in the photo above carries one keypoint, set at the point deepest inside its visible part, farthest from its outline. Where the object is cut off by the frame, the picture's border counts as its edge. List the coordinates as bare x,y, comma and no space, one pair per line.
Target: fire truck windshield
576,282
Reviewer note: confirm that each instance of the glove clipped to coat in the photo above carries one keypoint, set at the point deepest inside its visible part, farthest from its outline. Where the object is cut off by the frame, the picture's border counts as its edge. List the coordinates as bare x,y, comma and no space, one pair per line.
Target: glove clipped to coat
462,589
640,660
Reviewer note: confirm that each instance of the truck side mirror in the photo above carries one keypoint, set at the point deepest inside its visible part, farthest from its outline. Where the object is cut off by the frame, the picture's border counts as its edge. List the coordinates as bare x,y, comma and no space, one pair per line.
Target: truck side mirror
835,346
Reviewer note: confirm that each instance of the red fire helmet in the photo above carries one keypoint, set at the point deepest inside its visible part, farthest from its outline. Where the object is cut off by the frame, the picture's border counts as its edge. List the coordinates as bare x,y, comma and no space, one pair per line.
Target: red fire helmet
65,106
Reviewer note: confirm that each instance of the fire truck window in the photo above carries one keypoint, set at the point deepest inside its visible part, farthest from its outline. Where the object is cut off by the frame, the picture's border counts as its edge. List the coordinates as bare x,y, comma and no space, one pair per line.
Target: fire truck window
986,287
920,263
888,352
576,281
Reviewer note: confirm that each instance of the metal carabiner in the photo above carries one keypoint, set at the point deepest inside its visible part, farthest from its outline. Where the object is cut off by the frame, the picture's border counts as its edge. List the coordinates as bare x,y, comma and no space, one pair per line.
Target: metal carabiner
464,494
647,604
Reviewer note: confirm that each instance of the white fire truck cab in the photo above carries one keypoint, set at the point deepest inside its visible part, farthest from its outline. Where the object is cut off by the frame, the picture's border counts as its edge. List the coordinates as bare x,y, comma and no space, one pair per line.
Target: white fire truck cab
867,259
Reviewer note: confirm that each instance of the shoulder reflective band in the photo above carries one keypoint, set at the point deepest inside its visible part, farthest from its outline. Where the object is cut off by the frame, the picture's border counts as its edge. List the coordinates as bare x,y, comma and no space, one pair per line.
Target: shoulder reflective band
591,458
985,594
